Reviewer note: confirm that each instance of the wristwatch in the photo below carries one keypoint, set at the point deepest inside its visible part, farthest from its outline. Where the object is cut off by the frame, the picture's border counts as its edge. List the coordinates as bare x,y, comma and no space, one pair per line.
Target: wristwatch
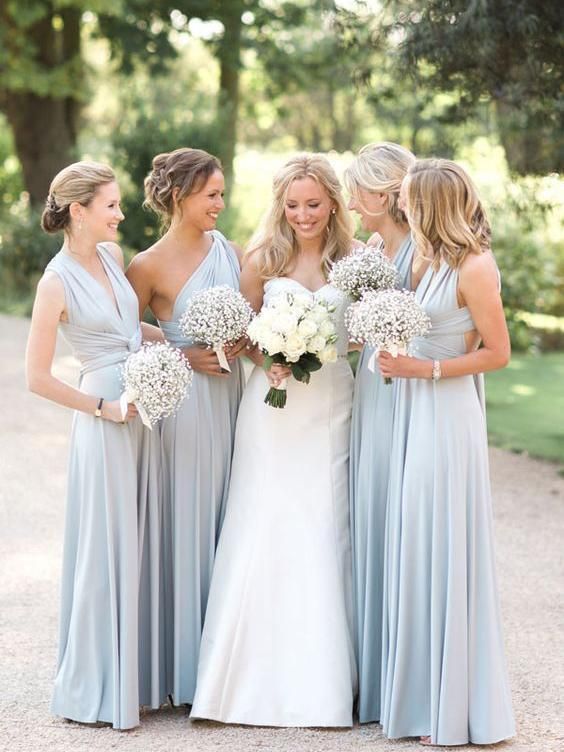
98,410
436,373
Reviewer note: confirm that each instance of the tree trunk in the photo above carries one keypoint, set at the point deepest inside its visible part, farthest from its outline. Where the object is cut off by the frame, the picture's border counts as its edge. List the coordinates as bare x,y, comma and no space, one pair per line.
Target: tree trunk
229,55
45,126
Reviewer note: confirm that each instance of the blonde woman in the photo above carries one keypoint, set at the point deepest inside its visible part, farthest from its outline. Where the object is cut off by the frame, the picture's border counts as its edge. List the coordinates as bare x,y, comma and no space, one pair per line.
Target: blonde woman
185,188
113,459
373,180
277,644
443,667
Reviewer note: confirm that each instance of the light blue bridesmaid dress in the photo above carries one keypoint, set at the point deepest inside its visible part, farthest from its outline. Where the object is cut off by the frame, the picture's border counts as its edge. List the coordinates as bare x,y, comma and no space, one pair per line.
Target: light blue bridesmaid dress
197,444
443,664
370,454
112,481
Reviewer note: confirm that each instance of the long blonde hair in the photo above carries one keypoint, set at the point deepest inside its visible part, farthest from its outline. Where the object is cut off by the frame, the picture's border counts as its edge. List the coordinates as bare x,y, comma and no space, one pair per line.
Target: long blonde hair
274,245
380,168
445,211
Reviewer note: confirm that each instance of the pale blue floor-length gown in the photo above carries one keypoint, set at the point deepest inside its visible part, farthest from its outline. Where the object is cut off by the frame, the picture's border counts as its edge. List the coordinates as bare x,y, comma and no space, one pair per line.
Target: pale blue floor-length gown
112,482
443,664
371,430
197,444
277,646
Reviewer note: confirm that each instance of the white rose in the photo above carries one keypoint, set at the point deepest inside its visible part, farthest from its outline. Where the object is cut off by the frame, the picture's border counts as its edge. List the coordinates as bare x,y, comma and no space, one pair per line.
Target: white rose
307,328
302,299
327,328
295,347
273,343
328,354
281,305
285,323
318,313
316,343
267,316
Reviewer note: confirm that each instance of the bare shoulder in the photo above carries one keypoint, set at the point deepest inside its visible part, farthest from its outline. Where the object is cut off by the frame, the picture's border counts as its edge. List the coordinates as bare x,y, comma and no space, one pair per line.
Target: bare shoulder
116,252
50,295
145,262
479,269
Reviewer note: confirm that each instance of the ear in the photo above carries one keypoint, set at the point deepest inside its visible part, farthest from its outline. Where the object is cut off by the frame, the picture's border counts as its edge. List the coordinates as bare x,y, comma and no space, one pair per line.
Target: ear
76,211
175,192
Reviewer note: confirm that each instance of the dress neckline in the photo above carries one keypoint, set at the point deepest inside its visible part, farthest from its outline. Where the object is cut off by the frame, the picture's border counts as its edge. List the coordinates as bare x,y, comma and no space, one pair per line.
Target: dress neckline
113,301
291,279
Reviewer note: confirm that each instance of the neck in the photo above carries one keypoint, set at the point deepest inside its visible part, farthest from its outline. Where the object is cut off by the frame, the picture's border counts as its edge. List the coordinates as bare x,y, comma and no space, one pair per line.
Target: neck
79,247
393,235
187,236
311,247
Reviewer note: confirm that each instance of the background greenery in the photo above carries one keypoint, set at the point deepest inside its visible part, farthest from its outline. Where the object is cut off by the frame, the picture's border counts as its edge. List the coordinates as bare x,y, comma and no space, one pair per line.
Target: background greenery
254,80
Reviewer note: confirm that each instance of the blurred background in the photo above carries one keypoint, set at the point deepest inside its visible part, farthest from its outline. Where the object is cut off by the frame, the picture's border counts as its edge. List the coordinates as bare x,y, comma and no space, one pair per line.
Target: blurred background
255,80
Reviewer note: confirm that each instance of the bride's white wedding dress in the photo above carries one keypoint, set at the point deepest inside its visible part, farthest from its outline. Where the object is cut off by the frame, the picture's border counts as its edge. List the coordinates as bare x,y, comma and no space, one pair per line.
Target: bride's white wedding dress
277,644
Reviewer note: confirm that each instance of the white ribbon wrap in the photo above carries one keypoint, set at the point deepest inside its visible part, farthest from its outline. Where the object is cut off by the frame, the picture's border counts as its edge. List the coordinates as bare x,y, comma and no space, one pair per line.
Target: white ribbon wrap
393,349
220,352
128,397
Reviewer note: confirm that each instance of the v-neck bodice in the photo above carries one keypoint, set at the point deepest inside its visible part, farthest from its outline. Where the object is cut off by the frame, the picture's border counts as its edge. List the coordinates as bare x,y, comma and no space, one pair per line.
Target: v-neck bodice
219,267
100,331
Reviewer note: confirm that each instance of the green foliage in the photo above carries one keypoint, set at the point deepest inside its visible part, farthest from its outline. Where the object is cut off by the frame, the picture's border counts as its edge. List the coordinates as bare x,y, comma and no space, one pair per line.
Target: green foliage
25,251
11,183
525,404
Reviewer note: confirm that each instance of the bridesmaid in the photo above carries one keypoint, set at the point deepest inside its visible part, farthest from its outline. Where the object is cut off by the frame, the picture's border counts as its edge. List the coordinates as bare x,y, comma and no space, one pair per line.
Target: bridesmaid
443,667
185,187
373,181
111,467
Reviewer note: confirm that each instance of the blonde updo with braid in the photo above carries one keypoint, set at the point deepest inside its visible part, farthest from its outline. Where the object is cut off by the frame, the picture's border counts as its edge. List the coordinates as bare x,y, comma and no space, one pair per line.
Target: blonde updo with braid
186,170
380,168
76,183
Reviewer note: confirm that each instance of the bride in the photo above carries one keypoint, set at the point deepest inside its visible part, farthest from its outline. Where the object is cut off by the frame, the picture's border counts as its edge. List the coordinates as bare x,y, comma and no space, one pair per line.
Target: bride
277,643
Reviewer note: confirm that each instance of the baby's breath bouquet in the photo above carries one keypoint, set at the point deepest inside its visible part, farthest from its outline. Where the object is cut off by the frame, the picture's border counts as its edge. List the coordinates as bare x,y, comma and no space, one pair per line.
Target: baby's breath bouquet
387,320
364,269
298,332
216,317
156,379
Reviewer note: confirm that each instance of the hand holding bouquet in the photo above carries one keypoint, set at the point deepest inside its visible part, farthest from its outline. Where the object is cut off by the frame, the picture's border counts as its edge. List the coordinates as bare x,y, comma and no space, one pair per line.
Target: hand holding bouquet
216,317
156,379
295,331
362,270
387,320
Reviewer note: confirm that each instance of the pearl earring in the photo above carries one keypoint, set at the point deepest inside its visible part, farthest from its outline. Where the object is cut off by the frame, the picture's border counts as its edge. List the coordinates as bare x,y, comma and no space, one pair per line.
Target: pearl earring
333,211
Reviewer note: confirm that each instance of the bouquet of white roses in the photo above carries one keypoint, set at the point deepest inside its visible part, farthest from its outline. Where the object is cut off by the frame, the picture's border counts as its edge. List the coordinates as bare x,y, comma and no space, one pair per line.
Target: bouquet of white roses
387,320
216,317
295,331
156,379
362,270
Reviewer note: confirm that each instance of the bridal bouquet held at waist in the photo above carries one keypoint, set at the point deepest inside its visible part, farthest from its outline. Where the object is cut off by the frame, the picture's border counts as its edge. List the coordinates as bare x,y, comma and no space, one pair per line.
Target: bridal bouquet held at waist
364,269
156,379
386,320
216,317
297,332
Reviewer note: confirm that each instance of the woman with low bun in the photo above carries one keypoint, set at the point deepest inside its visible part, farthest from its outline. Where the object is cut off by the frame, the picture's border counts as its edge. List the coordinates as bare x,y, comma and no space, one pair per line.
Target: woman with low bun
373,180
112,476
185,188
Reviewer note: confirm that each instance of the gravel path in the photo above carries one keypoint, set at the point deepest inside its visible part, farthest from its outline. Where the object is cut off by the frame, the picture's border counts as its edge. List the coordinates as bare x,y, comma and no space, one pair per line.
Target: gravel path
529,510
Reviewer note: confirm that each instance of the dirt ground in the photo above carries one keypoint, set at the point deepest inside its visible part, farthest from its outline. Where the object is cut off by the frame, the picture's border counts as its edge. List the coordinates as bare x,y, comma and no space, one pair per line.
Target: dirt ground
529,513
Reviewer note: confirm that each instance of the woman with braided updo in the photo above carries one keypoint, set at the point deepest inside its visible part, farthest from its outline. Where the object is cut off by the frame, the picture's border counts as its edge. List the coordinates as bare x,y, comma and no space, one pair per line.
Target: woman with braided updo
113,459
185,188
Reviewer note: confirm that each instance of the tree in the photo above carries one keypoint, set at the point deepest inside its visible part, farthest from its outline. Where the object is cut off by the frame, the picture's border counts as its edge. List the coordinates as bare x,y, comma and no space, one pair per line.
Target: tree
508,52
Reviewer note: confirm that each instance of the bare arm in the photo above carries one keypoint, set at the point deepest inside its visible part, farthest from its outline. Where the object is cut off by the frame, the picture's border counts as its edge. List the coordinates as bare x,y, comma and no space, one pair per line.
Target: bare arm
140,276
479,291
48,308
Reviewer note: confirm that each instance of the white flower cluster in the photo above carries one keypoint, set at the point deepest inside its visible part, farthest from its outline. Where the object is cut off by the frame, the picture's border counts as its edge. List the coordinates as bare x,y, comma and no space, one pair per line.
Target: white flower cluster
387,320
156,378
364,269
216,317
293,324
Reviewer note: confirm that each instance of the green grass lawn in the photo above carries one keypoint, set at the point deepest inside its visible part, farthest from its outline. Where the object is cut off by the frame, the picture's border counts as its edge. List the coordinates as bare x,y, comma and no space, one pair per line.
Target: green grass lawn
525,405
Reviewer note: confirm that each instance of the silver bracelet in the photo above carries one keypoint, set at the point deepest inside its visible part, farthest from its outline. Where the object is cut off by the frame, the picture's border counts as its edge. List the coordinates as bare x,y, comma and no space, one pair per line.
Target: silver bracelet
436,372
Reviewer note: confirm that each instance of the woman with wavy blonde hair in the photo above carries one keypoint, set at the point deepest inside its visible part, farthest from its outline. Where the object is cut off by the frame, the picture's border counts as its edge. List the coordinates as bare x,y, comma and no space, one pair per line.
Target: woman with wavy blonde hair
373,180
277,646
443,667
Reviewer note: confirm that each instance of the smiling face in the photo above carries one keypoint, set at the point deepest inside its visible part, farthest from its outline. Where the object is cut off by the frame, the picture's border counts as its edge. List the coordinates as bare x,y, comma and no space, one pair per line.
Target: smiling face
371,206
101,217
307,208
202,208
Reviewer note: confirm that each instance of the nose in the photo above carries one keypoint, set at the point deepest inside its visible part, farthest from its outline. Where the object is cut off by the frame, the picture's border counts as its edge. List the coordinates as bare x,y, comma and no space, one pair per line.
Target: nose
120,215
